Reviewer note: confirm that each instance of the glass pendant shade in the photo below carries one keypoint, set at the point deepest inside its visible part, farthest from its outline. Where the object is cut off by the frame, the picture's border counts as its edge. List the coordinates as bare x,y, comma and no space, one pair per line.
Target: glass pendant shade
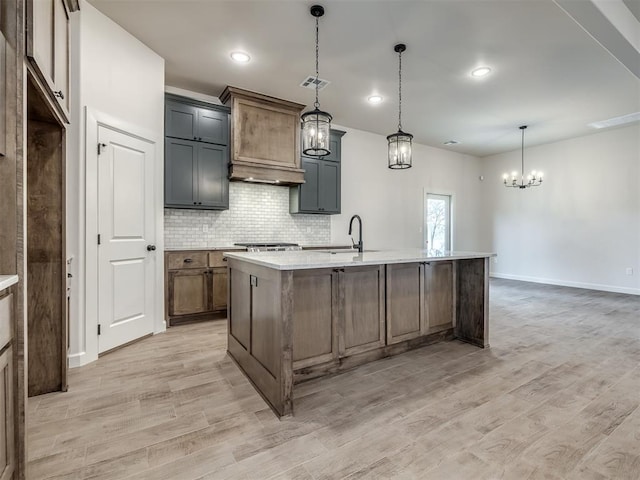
316,127
400,150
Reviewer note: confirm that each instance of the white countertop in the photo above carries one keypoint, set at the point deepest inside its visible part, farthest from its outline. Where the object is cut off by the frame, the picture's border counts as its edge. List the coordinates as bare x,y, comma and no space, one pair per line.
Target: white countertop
307,259
7,280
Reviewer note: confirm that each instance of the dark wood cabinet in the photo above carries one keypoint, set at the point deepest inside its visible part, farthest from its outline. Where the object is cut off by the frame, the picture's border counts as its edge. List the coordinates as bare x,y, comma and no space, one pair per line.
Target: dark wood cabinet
320,193
439,296
48,49
196,155
195,285
405,302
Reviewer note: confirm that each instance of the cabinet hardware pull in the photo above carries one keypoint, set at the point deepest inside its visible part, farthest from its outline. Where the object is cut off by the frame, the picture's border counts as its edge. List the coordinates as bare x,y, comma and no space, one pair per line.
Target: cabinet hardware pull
59,94
187,260
151,248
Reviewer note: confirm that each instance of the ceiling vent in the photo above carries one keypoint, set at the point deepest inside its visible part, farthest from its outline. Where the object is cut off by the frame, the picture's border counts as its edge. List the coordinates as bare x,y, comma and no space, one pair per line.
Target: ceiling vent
612,122
310,82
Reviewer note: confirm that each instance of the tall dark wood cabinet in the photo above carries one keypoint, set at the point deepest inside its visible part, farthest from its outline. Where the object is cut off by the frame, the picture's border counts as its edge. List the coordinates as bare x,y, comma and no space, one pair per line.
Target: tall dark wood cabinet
196,154
320,194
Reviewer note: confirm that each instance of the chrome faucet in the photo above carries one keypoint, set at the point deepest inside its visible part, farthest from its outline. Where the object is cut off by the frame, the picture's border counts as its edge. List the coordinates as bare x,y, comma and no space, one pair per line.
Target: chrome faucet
359,244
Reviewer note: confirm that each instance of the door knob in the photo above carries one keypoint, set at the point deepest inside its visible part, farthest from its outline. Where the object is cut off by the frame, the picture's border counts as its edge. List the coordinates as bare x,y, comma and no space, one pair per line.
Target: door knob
151,248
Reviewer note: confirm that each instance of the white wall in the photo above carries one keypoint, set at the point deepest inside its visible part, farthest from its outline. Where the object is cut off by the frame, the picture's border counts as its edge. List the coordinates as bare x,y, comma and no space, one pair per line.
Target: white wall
112,74
582,226
391,202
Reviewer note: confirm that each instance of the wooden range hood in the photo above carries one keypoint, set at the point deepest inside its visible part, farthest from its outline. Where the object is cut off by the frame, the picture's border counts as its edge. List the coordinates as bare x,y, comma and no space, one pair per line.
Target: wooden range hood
265,138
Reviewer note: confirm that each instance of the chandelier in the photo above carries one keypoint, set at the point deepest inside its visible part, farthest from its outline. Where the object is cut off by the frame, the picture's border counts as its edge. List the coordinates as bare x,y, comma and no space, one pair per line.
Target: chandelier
534,179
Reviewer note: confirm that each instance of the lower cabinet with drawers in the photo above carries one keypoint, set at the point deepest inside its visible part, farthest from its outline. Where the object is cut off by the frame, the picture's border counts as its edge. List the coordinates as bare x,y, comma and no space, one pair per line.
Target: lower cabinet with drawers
7,418
195,285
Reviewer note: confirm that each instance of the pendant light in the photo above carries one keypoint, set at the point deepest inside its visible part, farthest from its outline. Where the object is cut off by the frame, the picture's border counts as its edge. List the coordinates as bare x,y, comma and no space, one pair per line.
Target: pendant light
534,179
316,124
399,149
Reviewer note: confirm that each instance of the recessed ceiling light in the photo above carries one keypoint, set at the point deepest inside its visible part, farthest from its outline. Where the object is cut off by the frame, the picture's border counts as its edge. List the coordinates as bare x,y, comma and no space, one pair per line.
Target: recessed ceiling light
481,72
613,122
240,57
375,99
451,142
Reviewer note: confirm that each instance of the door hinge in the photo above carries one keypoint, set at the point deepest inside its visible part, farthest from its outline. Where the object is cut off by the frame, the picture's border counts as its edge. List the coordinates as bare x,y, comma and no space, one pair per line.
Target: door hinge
98,329
100,147
98,239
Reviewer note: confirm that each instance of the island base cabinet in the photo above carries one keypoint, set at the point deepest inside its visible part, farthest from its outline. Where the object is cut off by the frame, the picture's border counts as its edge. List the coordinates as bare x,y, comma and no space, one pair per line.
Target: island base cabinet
405,302
472,301
315,317
362,304
260,330
439,296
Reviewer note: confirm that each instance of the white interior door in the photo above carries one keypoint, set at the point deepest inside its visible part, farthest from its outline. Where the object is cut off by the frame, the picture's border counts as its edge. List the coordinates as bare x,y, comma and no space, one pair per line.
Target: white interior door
126,250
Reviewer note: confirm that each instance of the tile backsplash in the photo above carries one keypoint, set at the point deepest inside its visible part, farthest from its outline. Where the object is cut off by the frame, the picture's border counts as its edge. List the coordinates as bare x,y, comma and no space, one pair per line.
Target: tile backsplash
257,213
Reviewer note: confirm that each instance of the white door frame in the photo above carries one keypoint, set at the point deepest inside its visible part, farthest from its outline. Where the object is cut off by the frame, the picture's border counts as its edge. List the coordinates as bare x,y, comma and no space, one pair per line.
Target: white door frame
95,119
452,207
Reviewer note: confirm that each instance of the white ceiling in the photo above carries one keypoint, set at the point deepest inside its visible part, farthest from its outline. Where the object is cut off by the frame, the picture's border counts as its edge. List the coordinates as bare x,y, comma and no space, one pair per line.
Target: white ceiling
548,71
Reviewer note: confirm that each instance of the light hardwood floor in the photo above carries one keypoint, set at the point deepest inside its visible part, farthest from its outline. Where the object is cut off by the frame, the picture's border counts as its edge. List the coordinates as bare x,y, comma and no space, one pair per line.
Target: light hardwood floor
555,397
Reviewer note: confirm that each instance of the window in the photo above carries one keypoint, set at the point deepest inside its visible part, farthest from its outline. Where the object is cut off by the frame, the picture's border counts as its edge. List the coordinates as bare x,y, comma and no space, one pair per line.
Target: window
437,222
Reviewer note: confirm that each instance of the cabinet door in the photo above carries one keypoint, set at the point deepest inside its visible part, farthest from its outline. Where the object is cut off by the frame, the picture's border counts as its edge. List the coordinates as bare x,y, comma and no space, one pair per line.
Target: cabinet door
219,288
180,121
335,144
61,54
309,191
405,300
362,309
189,291
439,296
7,440
213,126
48,48
212,178
315,317
329,187
180,173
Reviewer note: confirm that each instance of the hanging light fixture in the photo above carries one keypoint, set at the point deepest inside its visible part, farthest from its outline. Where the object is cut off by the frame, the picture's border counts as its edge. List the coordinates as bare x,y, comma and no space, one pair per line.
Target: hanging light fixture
316,124
399,149
534,179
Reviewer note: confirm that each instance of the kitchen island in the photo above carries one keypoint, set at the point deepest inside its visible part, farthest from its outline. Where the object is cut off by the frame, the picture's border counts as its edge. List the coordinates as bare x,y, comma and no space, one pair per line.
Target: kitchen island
299,315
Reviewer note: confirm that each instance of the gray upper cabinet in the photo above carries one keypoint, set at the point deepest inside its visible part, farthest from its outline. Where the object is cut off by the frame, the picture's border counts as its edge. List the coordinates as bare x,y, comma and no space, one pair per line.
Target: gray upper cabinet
321,191
190,122
196,155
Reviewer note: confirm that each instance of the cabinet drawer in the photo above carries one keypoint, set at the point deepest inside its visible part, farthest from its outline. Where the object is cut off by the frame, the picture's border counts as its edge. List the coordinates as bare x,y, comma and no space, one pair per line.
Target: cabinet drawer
177,260
215,259
6,308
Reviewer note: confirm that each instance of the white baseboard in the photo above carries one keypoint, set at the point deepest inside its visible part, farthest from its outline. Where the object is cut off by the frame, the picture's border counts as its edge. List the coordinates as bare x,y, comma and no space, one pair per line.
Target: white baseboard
562,283
80,359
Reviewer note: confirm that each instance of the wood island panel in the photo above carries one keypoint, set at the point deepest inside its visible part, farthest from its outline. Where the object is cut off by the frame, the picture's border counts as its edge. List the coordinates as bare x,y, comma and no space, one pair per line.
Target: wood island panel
314,328
405,299
239,310
265,313
363,308
440,297
472,302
